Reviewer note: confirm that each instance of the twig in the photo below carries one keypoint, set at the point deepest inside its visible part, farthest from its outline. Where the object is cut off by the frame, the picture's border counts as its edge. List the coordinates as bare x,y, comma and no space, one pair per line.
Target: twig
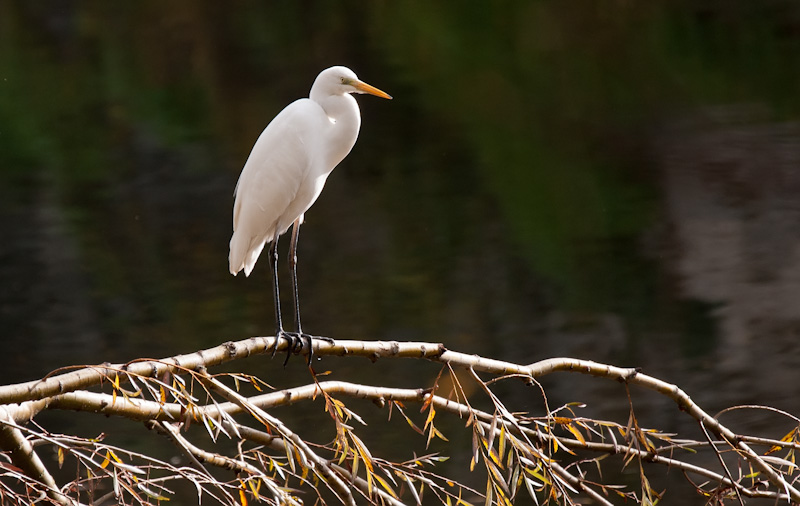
721,461
320,465
23,456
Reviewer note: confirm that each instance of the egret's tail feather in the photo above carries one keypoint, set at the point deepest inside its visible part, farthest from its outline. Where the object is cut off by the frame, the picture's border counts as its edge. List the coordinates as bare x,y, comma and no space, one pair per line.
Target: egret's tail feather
244,254
252,257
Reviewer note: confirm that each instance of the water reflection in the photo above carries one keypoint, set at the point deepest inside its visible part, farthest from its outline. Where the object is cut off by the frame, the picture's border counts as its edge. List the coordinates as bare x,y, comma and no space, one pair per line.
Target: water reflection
731,181
617,185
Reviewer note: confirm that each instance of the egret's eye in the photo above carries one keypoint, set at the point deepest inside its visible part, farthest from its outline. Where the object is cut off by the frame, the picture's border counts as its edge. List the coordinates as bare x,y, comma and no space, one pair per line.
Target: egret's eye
345,80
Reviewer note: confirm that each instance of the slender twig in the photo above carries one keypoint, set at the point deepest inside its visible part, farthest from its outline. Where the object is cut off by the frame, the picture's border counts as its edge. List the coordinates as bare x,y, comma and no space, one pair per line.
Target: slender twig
721,461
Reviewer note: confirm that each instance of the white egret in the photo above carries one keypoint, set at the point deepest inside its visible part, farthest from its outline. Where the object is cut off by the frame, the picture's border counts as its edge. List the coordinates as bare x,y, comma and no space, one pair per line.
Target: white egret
285,173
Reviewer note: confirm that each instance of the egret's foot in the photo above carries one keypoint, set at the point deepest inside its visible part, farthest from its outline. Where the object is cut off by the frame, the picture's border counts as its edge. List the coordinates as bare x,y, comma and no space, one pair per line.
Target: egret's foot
305,340
296,340
293,339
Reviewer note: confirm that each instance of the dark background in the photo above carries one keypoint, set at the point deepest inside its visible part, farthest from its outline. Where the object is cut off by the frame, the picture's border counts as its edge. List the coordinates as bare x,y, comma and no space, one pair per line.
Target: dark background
615,181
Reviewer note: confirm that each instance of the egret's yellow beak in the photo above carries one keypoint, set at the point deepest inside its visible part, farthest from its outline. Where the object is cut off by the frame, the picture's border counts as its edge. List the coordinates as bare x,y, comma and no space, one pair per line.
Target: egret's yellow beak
366,88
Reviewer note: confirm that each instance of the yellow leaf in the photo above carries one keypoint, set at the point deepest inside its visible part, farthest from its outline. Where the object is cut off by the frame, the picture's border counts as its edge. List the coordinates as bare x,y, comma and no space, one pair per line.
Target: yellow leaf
575,432
338,405
386,486
255,486
495,473
431,414
345,452
492,454
242,497
364,453
61,457
462,501
538,475
501,445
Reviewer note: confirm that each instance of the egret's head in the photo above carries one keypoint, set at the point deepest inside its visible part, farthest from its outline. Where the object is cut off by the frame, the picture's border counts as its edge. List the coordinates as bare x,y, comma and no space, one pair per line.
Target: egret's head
340,80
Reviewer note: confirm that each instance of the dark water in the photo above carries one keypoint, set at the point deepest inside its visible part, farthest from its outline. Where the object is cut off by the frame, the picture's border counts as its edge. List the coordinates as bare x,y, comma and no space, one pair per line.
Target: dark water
618,183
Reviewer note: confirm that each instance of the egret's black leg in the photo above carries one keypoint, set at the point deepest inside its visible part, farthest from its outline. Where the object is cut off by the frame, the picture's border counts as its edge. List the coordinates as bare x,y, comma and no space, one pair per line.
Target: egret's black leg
293,266
279,333
306,338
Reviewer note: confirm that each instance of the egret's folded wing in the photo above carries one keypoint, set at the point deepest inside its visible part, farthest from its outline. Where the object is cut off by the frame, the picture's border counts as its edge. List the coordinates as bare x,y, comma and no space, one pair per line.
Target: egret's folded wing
274,173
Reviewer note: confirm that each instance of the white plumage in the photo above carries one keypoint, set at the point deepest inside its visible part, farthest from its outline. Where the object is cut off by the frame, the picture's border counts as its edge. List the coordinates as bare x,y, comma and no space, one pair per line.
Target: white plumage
284,175
290,162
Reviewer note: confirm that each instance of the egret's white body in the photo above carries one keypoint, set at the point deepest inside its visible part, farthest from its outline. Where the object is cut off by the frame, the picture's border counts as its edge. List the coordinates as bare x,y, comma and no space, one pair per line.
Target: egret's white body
285,173
291,160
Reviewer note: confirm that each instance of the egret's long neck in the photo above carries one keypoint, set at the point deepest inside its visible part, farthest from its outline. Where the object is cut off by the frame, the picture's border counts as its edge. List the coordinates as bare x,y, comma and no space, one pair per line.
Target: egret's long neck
345,118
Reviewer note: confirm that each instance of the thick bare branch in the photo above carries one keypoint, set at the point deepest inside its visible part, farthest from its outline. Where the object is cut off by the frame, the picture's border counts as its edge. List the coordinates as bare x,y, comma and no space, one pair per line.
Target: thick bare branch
143,409
88,376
